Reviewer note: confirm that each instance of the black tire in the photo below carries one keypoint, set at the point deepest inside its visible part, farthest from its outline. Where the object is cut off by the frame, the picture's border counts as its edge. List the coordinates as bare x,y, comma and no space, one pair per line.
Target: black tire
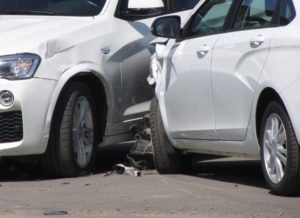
167,159
289,184
60,158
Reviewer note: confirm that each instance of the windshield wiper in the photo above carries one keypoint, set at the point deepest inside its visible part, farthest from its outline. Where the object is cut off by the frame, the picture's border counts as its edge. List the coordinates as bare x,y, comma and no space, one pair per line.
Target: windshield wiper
27,12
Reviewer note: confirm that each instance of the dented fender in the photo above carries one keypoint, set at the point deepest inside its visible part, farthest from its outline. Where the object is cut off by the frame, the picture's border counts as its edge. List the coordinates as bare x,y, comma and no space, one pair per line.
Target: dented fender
81,69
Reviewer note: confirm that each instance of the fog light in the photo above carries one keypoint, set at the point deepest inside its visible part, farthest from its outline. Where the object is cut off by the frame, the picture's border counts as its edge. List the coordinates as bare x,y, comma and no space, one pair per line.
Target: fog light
6,98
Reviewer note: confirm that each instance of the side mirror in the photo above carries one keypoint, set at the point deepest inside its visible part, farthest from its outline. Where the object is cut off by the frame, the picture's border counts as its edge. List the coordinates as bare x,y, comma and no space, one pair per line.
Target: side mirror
167,27
139,9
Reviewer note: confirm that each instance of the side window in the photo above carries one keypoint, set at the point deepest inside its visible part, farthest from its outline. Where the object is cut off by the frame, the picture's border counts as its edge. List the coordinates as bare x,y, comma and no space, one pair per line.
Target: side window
210,19
140,9
181,5
255,14
287,12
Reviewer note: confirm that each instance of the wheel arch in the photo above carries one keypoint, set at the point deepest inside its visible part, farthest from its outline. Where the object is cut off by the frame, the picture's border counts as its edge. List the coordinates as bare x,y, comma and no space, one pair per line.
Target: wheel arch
266,96
99,96
100,90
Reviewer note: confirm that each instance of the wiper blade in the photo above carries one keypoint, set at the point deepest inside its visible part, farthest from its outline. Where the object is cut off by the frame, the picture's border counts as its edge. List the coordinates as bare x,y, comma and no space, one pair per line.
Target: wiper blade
27,12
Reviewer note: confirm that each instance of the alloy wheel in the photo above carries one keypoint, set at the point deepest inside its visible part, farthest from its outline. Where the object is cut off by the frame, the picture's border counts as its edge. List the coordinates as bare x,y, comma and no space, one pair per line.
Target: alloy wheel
83,131
275,148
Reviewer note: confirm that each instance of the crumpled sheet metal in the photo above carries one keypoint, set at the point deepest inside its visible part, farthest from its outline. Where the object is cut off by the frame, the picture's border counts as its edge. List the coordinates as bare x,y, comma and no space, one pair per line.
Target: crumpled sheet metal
121,169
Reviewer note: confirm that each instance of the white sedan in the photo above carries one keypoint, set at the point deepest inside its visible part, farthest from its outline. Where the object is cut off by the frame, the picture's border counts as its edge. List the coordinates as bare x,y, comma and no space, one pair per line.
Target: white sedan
226,83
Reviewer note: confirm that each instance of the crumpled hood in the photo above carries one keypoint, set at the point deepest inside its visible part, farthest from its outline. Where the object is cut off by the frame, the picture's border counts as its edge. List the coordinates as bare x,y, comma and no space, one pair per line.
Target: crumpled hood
20,34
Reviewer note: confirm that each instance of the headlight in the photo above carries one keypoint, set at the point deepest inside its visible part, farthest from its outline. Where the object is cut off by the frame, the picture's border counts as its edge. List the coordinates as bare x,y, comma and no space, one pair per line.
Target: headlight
19,66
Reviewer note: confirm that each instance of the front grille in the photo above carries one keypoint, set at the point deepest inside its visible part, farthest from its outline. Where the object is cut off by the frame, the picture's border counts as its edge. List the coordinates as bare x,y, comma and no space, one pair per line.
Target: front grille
11,127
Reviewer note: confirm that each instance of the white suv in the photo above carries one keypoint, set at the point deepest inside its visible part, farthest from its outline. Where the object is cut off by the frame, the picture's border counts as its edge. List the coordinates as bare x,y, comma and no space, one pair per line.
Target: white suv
227,83
72,74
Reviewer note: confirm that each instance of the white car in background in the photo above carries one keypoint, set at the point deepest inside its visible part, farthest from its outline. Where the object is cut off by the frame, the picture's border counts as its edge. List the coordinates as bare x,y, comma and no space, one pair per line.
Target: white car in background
73,74
227,83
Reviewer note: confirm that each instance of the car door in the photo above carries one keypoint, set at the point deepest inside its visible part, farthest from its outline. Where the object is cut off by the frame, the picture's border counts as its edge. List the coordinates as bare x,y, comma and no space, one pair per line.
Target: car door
237,63
132,33
188,96
132,30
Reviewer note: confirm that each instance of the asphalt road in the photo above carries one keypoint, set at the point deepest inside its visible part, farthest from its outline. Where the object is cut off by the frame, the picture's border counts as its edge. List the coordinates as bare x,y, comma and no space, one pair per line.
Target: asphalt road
222,187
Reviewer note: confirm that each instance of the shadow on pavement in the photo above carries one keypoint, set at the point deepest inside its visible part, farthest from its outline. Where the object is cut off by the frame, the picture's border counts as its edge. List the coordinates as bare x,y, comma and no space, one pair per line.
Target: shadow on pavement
111,155
27,169
238,171
18,170
247,172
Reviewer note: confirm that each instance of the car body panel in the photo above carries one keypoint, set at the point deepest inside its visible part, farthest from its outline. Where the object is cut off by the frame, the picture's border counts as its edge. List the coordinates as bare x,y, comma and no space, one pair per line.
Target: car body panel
33,105
240,74
284,77
115,51
189,71
237,65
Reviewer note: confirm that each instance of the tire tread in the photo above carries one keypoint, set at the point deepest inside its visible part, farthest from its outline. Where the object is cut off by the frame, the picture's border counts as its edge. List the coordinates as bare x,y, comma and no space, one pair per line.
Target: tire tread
290,185
58,160
167,159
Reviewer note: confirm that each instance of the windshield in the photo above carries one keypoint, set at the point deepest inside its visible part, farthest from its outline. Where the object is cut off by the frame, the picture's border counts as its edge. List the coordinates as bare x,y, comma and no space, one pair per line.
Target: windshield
52,7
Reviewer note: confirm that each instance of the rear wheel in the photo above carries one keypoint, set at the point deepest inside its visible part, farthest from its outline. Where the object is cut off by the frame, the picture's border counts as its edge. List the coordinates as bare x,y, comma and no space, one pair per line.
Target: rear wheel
279,151
167,159
72,144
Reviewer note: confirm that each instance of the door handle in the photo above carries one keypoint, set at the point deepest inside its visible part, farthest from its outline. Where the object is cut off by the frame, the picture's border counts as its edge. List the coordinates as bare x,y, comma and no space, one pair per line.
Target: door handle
105,50
257,40
204,49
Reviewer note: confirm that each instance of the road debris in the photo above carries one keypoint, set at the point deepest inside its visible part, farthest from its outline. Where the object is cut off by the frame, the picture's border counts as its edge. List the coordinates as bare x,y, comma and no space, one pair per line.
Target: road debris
140,156
55,213
65,183
122,169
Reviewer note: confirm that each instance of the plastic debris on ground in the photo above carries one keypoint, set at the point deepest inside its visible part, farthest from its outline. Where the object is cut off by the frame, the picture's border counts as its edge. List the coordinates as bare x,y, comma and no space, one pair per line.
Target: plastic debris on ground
140,156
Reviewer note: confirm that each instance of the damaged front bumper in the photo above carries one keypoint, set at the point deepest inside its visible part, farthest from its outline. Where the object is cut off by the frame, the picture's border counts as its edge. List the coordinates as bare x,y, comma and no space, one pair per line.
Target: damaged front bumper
22,124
